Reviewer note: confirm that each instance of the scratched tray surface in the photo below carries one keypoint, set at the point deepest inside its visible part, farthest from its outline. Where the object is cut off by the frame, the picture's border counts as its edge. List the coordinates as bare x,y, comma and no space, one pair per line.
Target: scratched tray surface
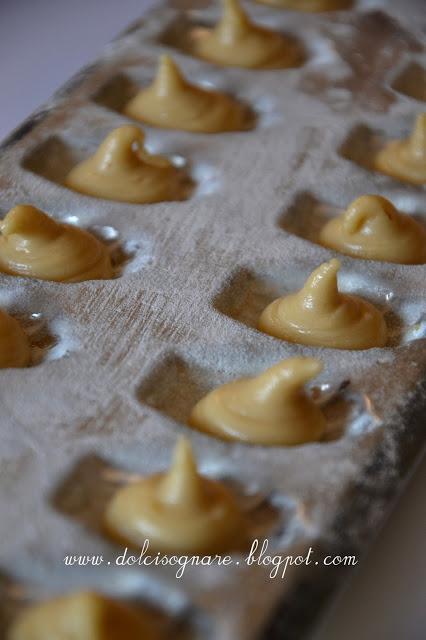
127,358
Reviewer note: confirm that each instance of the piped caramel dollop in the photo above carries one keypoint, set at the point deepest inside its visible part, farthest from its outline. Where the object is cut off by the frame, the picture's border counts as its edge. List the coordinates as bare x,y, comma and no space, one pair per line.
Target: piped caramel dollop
406,159
83,615
372,228
172,102
121,169
271,409
309,5
34,245
178,511
320,315
237,41
14,344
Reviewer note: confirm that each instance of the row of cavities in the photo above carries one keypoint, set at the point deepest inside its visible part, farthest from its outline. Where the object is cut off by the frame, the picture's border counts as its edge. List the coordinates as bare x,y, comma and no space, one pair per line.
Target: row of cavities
353,213
130,513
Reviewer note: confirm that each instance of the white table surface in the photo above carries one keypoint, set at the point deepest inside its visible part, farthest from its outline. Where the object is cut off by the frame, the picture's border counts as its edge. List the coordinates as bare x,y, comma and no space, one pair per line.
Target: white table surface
42,43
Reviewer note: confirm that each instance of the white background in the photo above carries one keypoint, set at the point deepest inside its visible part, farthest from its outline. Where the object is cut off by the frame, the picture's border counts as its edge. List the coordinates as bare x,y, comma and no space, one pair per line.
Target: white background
42,43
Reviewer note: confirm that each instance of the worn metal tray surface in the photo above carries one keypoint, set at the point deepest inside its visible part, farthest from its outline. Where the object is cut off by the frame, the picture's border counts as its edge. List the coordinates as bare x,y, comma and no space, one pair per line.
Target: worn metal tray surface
118,364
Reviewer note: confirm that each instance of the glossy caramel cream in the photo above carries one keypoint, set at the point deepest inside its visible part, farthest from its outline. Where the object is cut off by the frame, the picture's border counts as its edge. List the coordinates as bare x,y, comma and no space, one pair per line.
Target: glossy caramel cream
172,102
406,159
14,344
319,315
310,5
83,615
122,170
178,511
237,41
373,229
270,409
34,245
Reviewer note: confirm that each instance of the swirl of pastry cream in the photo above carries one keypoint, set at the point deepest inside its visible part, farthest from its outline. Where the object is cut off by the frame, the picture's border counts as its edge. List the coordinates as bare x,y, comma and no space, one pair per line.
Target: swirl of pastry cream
34,245
310,5
406,159
14,344
373,229
270,409
172,102
82,615
319,315
178,511
122,170
236,41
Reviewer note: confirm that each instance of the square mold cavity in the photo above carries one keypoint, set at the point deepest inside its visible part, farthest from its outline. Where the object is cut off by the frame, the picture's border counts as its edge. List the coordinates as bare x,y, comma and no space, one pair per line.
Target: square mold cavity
177,33
306,216
117,92
86,491
361,146
166,611
122,87
175,385
411,81
246,294
182,33
53,159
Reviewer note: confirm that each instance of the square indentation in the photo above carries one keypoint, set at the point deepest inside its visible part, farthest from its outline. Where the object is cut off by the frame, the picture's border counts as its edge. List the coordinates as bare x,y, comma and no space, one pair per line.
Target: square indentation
175,385
117,92
85,493
247,293
183,32
121,88
53,159
177,33
166,612
411,81
84,496
306,216
361,146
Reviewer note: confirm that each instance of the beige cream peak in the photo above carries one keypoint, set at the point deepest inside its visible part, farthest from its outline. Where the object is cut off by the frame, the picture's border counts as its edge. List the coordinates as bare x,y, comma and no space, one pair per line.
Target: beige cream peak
237,41
82,615
270,409
172,102
122,170
406,159
373,229
320,315
178,511
34,245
